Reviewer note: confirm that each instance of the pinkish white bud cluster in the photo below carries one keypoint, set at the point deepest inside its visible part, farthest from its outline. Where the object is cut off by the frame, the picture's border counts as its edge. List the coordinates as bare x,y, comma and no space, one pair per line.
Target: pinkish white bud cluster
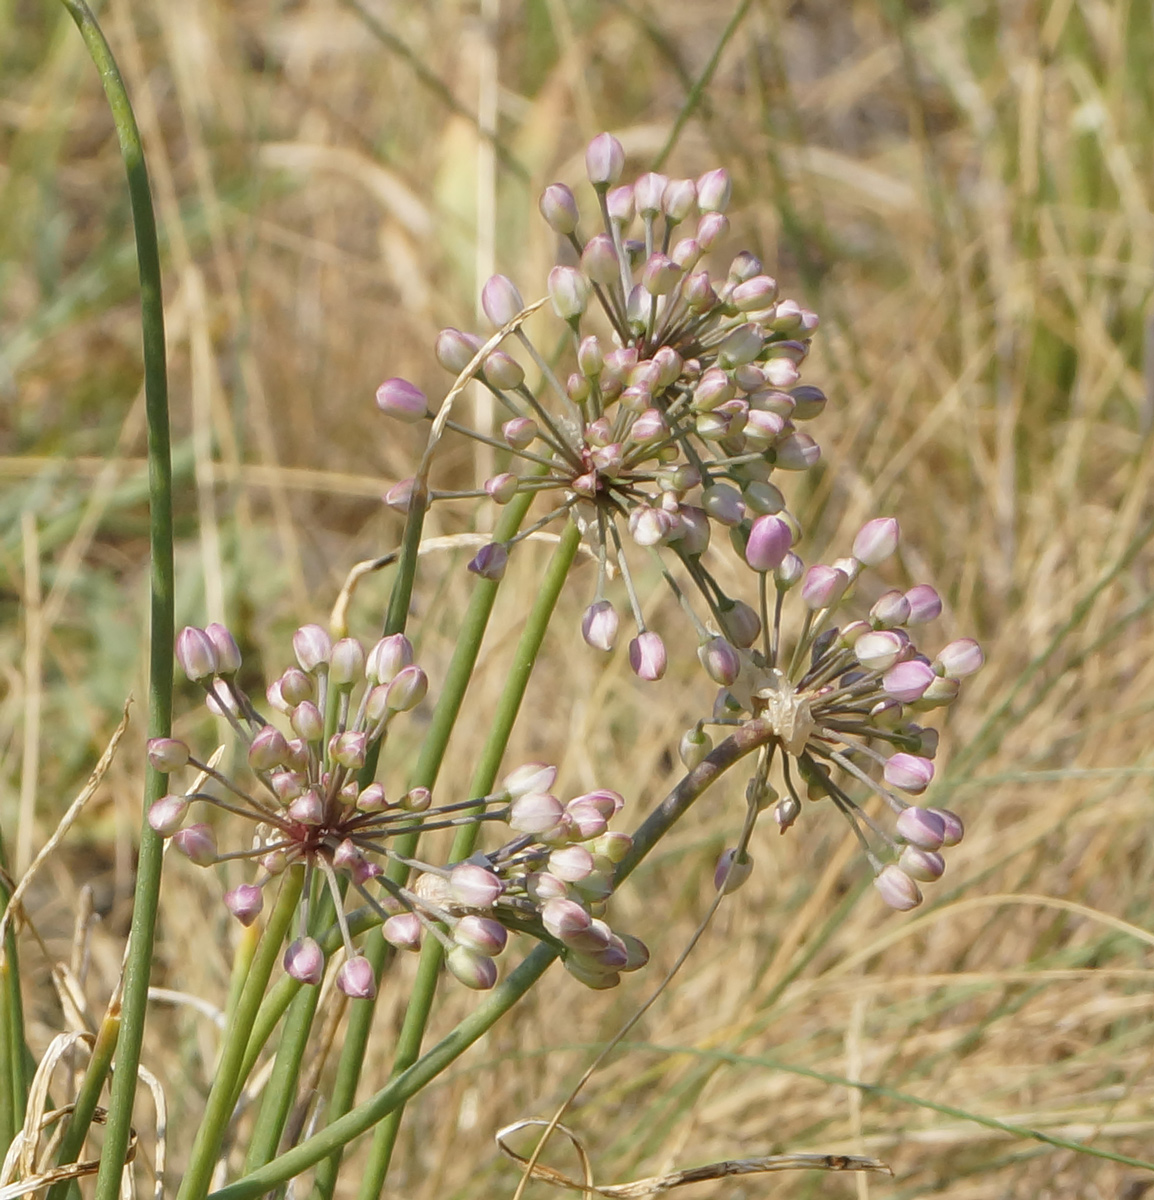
843,700
552,879
684,394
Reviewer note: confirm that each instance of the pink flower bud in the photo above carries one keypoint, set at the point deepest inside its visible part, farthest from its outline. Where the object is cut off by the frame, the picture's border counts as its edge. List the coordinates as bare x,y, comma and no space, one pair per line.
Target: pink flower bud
925,604
407,689
502,488
349,749
167,754
648,191
797,452
678,200
304,961
542,886
565,919
529,777
474,970
647,656
743,345
720,660
620,205
922,827
823,586
474,886
534,812
227,651
167,814
879,651
571,863
558,206
754,294
481,934
313,647
288,785
604,161
519,432
307,808
387,657
347,664
923,865
403,931
400,496
268,749
723,503
355,978
244,902
876,541
695,529
402,400
713,191
455,350
503,371
197,843
908,681
490,561
295,687
955,830
897,889
960,658
500,300
769,542
909,772
599,625
195,653
568,292
731,872
587,820
307,721
650,526
372,799
660,274
607,802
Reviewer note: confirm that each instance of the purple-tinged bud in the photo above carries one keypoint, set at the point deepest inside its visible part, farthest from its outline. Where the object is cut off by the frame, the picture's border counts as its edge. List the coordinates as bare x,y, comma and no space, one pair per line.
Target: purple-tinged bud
565,919
197,843
571,863
711,227
355,978
762,430
823,587
268,749
955,830
731,872
558,206
403,930
745,265
723,503
790,573
698,293
307,721
474,886
304,961
788,318
785,812
167,754
796,452
619,203
377,703
372,799
490,561
590,360
741,624
648,426
686,253
769,541
944,690
808,401
195,653
604,161
694,746
313,647
347,665
387,657
897,889
295,687
878,651
227,651
890,610
743,345
928,738
925,604
416,799
908,681
166,814
400,496
959,659
500,300
455,350
721,661
876,541
535,812
349,793
402,400
244,902
922,827
503,371
754,294
713,389
222,703
678,200
519,432
781,372
482,934
275,697
349,749
650,526
923,865
541,886
288,785
607,802
502,488
714,189
407,689
585,970
909,772
474,970
527,778
599,260
648,191
636,952
588,821
660,275
886,714
599,625
647,656
694,528
569,293
307,808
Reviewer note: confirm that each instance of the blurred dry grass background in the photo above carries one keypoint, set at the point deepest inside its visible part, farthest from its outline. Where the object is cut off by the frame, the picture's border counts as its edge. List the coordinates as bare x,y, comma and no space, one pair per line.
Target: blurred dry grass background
962,190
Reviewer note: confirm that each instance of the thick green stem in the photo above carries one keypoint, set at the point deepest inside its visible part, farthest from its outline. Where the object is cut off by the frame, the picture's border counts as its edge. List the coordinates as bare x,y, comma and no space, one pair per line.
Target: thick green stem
228,1078
402,1087
139,964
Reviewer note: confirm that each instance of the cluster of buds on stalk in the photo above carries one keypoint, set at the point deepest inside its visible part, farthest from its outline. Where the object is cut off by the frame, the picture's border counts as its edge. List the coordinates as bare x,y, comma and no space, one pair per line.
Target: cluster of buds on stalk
683,399
842,702
314,810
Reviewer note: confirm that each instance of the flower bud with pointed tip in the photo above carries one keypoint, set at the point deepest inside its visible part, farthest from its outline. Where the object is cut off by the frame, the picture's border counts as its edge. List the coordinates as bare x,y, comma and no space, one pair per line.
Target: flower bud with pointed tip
785,812
527,778
313,647
599,260
558,206
197,843
878,651
909,772
897,889
922,827
502,488
307,721
307,808
660,275
500,300
570,863
227,651
823,586
304,961
954,829
604,161
166,815
403,930
454,350
503,371
721,661
796,452
349,749
959,659
481,934
741,623
588,821
876,541
925,604
647,656
568,292
922,865
387,657
402,400
407,689
599,625
908,681
372,799
400,496
519,432
268,749
731,872
416,799
490,561
678,200
769,541
355,978
714,189
474,970
167,754
347,664
195,653
244,902
565,919
474,886
534,812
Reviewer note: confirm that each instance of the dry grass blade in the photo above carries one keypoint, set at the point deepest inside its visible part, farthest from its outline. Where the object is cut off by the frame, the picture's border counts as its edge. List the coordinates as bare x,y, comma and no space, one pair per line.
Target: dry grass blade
674,1179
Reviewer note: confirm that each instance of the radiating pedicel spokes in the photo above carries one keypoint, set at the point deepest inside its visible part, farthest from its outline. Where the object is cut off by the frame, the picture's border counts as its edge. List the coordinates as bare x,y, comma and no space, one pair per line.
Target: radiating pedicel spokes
548,878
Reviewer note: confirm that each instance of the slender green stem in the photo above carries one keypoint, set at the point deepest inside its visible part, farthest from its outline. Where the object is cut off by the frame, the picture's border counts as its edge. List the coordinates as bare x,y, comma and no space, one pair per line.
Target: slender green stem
404,1086
139,962
485,775
228,1079
13,1048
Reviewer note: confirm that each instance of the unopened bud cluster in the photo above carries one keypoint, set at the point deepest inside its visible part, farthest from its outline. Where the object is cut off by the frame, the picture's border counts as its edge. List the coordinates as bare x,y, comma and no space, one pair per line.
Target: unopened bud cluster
683,398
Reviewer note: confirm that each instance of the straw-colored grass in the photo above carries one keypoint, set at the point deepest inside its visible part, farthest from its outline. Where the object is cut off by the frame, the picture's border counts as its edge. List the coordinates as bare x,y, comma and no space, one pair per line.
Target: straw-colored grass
963,192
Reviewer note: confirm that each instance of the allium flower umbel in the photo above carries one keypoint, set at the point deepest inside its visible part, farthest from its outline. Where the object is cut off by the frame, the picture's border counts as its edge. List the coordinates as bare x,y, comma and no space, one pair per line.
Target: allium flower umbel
310,811
682,395
842,698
